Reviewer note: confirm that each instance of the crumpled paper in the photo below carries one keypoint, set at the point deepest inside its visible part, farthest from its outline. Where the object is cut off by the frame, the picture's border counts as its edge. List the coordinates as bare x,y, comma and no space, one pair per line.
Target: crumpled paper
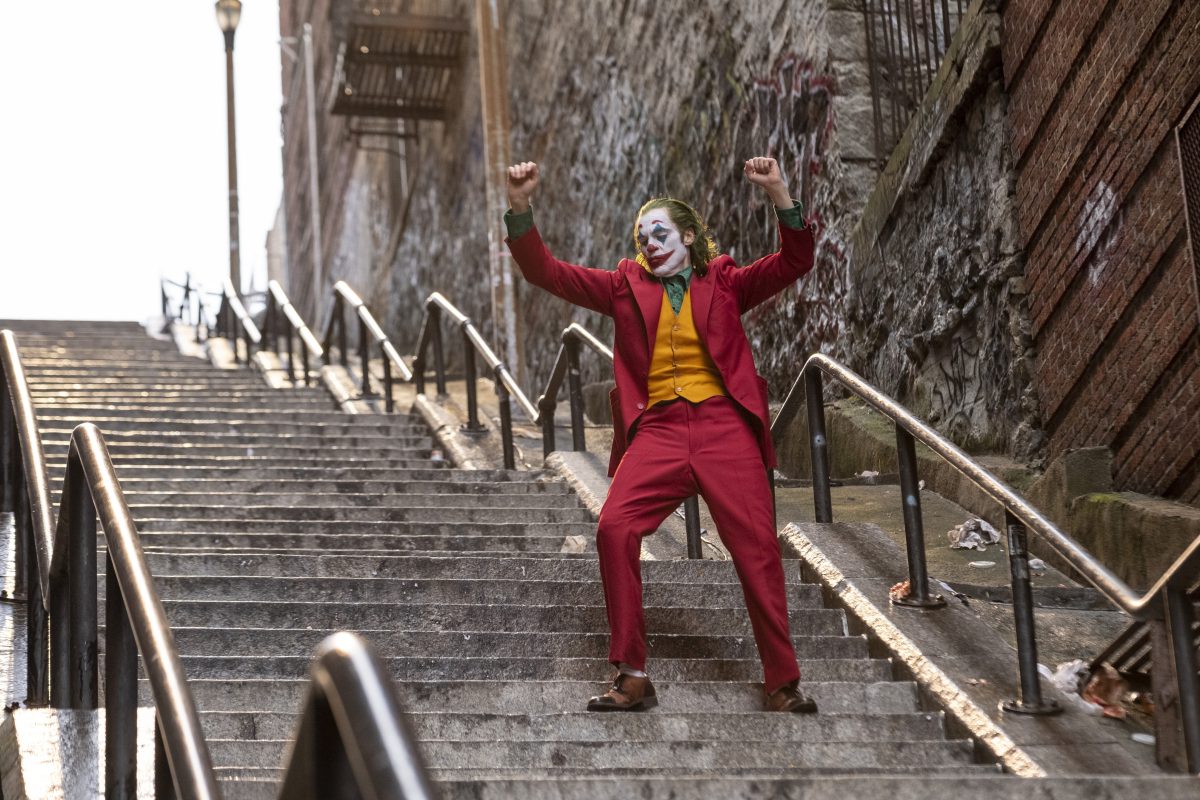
974,534
1107,689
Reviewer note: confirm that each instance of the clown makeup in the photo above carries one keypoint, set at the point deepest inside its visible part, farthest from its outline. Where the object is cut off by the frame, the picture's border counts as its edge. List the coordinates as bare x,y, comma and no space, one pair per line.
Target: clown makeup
660,241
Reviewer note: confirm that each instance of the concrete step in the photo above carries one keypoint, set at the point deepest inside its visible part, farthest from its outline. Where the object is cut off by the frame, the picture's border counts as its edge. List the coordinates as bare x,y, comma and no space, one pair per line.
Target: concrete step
536,668
806,756
105,414
481,591
555,696
239,402
167,442
476,491
253,458
476,643
495,617
326,469
516,541
445,566
954,782
56,425
382,552
312,513
581,726
327,497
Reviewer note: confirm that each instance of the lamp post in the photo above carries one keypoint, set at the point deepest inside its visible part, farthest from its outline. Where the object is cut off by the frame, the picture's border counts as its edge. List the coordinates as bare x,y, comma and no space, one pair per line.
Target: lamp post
228,14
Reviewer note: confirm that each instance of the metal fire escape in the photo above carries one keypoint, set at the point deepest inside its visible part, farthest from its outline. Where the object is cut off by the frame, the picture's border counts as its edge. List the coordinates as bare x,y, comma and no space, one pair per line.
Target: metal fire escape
393,70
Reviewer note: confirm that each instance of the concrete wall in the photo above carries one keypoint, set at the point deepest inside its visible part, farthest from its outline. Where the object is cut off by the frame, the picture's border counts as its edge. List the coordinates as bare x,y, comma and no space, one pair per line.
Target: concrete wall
1096,90
937,314
619,104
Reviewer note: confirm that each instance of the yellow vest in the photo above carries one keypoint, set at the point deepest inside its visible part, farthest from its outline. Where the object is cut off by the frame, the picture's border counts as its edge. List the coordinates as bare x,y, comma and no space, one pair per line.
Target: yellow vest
680,366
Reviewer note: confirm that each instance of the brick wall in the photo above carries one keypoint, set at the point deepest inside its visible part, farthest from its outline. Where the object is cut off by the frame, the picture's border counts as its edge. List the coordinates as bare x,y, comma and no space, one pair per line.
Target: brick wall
1095,91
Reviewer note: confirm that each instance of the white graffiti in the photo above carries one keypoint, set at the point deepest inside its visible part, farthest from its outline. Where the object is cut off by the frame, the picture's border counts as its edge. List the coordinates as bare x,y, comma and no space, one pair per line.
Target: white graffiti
1098,230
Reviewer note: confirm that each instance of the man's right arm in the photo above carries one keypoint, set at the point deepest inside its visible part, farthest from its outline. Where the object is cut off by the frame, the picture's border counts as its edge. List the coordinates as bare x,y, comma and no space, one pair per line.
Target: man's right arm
590,288
583,286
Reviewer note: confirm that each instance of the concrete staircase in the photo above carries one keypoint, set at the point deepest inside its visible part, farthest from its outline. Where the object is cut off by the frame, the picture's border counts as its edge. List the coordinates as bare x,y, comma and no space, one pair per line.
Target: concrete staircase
271,520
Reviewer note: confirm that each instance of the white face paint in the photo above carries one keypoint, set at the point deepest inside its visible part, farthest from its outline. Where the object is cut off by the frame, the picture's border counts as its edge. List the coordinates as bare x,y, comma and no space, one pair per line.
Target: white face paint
661,243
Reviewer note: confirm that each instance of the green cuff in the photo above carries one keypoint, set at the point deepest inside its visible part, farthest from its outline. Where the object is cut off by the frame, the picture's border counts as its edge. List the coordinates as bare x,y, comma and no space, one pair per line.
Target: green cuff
518,224
791,217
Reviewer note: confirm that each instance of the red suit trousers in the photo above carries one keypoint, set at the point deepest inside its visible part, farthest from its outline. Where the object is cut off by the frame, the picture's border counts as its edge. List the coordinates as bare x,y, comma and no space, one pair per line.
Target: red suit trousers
681,449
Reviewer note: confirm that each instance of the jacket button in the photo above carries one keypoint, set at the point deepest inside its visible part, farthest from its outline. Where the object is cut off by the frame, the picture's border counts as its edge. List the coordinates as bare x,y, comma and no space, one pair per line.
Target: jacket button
641,405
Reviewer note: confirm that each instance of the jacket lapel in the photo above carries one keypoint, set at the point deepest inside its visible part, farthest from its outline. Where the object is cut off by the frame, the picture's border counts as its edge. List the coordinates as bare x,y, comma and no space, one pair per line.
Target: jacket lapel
649,293
701,289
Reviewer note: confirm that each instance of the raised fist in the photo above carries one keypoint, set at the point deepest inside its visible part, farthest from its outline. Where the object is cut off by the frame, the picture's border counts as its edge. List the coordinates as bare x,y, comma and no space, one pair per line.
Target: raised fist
522,180
763,171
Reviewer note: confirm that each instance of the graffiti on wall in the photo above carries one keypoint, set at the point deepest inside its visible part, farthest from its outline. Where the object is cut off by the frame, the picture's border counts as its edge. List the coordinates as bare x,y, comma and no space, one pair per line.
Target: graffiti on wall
788,112
1098,228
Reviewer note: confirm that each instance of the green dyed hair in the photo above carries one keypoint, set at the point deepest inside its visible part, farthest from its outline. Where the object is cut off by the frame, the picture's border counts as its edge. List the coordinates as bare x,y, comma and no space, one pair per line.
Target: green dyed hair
702,249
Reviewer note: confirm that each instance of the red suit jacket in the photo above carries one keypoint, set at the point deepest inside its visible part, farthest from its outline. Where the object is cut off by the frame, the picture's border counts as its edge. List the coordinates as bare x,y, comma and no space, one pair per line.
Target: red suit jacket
633,298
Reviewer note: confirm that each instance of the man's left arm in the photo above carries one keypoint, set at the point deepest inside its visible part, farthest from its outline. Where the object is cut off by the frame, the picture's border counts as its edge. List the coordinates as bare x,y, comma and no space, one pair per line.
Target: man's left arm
771,274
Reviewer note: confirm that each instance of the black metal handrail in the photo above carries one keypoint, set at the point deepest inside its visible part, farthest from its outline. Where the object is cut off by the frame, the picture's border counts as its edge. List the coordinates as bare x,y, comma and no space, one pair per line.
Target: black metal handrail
506,385
184,312
352,740
369,333
26,493
234,323
135,625
62,600
1168,596
293,330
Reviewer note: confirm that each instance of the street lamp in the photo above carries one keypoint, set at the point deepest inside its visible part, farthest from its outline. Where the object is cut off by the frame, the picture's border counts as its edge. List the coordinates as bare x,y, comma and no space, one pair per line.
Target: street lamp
228,14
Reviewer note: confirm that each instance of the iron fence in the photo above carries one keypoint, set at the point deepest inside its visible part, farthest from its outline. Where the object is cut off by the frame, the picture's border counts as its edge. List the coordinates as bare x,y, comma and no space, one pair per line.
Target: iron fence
906,41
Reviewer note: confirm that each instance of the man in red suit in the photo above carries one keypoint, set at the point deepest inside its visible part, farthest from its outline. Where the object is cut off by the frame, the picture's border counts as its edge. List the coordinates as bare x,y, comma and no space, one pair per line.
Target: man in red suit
689,411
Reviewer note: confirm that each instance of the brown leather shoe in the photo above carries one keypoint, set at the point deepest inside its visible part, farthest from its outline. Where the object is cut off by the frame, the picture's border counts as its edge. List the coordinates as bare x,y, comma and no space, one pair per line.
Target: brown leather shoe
789,698
627,693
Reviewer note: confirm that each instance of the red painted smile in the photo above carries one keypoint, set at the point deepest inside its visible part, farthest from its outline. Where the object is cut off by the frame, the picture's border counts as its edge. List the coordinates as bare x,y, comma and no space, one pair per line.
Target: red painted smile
659,260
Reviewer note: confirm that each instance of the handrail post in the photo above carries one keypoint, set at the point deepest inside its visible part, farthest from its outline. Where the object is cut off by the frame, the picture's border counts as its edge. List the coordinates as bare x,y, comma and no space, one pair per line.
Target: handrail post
185,305
164,782
472,424
914,530
818,444
9,447
268,327
327,344
364,357
37,670
1030,701
575,395
341,334
439,356
1180,620
506,430
304,358
120,692
389,402
546,412
81,583
691,521
291,358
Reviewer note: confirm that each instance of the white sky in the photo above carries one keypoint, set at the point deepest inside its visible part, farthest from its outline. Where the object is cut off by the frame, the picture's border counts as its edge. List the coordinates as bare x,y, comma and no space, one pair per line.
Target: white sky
113,154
